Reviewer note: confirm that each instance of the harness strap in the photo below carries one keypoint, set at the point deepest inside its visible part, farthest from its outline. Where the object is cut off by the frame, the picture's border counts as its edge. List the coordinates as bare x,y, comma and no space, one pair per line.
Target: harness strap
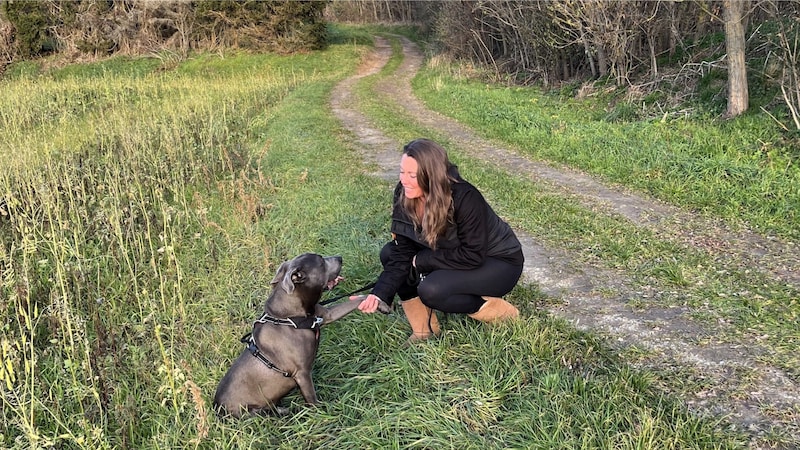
253,348
299,322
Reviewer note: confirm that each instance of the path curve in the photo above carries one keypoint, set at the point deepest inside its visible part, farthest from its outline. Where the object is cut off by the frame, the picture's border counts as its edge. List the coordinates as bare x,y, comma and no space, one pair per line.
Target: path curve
597,299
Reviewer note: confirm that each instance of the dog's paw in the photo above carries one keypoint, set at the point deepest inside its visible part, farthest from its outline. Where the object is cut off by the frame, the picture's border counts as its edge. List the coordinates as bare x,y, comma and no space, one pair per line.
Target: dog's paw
383,307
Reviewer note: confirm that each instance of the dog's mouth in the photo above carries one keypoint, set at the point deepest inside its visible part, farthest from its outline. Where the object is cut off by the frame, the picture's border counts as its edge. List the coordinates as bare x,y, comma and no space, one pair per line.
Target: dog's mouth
332,283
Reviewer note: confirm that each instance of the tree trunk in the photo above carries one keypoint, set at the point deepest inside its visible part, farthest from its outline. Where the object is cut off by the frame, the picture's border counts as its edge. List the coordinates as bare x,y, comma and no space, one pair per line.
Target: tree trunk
588,51
734,45
602,60
653,58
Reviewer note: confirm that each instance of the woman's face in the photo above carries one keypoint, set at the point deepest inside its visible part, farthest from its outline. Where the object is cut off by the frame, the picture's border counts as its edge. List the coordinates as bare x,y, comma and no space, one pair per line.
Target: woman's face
408,177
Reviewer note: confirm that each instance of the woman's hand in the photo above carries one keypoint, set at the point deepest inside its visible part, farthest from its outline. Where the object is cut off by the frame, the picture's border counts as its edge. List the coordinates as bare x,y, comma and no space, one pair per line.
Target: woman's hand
369,305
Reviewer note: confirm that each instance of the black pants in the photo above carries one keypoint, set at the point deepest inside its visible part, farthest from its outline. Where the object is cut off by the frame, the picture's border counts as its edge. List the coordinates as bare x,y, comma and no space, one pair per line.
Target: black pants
460,291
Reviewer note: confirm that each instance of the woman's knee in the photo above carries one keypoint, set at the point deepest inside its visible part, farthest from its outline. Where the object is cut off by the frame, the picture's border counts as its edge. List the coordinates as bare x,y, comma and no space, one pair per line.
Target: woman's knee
450,303
431,294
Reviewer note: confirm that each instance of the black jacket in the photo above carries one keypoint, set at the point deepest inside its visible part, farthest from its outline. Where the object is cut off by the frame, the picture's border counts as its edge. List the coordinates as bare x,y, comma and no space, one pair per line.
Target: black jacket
477,233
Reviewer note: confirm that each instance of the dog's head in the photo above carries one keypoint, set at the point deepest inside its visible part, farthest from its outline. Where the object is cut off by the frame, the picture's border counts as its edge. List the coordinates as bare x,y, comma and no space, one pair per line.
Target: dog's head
306,276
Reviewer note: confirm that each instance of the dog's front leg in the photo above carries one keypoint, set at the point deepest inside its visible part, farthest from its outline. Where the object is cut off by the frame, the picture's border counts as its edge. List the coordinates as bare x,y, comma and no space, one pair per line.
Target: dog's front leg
336,312
306,386
342,309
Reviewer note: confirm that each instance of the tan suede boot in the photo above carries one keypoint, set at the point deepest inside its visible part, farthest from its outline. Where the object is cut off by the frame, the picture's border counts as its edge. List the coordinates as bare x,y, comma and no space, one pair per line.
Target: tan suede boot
495,310
422,319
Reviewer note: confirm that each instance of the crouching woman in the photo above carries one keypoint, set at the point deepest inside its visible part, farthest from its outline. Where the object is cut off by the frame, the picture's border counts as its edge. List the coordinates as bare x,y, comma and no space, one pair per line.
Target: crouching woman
449,250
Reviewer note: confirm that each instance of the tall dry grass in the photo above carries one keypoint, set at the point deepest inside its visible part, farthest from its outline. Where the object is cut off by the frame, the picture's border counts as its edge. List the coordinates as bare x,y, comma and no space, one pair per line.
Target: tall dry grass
103,188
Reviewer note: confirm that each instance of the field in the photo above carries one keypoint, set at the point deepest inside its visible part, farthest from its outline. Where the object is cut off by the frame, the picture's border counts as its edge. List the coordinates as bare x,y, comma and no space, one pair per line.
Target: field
145,205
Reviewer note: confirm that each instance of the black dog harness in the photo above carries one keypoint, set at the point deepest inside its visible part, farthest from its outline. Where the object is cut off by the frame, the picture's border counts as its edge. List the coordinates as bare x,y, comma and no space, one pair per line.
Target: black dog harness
300,323
253,348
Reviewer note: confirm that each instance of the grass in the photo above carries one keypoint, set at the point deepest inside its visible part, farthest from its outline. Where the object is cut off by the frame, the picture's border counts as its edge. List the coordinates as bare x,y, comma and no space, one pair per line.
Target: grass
144,212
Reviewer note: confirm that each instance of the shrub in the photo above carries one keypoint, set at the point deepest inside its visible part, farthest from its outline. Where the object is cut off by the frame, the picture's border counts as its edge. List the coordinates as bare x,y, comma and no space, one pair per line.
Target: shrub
30,21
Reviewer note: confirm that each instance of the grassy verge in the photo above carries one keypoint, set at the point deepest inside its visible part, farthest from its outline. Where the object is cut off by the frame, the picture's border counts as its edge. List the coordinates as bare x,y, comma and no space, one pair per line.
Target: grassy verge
141,225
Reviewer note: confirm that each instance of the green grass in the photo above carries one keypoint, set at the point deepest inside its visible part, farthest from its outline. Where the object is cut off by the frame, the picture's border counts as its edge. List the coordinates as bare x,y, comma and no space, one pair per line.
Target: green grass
146,211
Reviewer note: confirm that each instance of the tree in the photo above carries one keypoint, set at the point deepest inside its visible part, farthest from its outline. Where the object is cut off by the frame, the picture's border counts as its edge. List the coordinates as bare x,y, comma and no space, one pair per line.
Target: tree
733,15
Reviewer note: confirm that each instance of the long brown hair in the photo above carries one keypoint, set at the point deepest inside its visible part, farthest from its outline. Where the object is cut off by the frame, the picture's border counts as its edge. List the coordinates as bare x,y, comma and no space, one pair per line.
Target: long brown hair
435,174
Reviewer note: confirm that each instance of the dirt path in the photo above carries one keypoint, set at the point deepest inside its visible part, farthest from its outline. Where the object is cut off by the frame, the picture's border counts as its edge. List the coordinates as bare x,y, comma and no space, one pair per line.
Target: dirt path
595,298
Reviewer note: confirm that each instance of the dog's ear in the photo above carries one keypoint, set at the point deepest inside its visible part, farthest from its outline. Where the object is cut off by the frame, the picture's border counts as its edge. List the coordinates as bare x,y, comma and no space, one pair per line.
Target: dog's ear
292,277
282,277
288,281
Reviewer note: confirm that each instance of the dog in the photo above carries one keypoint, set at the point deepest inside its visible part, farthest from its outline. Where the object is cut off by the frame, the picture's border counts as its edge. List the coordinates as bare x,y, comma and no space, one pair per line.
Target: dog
282,347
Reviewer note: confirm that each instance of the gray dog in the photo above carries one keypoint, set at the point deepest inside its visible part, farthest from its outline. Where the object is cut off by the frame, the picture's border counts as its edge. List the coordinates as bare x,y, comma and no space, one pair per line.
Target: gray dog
283,344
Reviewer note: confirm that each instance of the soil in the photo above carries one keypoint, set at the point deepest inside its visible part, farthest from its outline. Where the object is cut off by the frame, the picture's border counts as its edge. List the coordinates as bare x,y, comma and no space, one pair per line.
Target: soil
738,387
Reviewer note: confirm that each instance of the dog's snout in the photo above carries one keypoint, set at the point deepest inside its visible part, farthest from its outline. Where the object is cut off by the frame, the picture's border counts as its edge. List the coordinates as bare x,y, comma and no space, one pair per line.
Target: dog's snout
333,264
334,260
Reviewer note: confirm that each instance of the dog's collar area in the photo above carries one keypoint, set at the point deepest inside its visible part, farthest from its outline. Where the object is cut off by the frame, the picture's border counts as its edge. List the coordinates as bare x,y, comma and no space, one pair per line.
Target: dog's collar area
305,323
252,347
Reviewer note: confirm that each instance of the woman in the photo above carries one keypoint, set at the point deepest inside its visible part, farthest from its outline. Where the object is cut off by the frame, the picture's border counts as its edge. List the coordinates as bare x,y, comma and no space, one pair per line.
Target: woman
449,250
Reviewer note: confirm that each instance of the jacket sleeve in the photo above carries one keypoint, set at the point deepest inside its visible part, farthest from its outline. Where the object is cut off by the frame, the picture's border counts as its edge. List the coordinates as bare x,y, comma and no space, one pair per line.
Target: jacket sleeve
401,251
395,272
470,216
